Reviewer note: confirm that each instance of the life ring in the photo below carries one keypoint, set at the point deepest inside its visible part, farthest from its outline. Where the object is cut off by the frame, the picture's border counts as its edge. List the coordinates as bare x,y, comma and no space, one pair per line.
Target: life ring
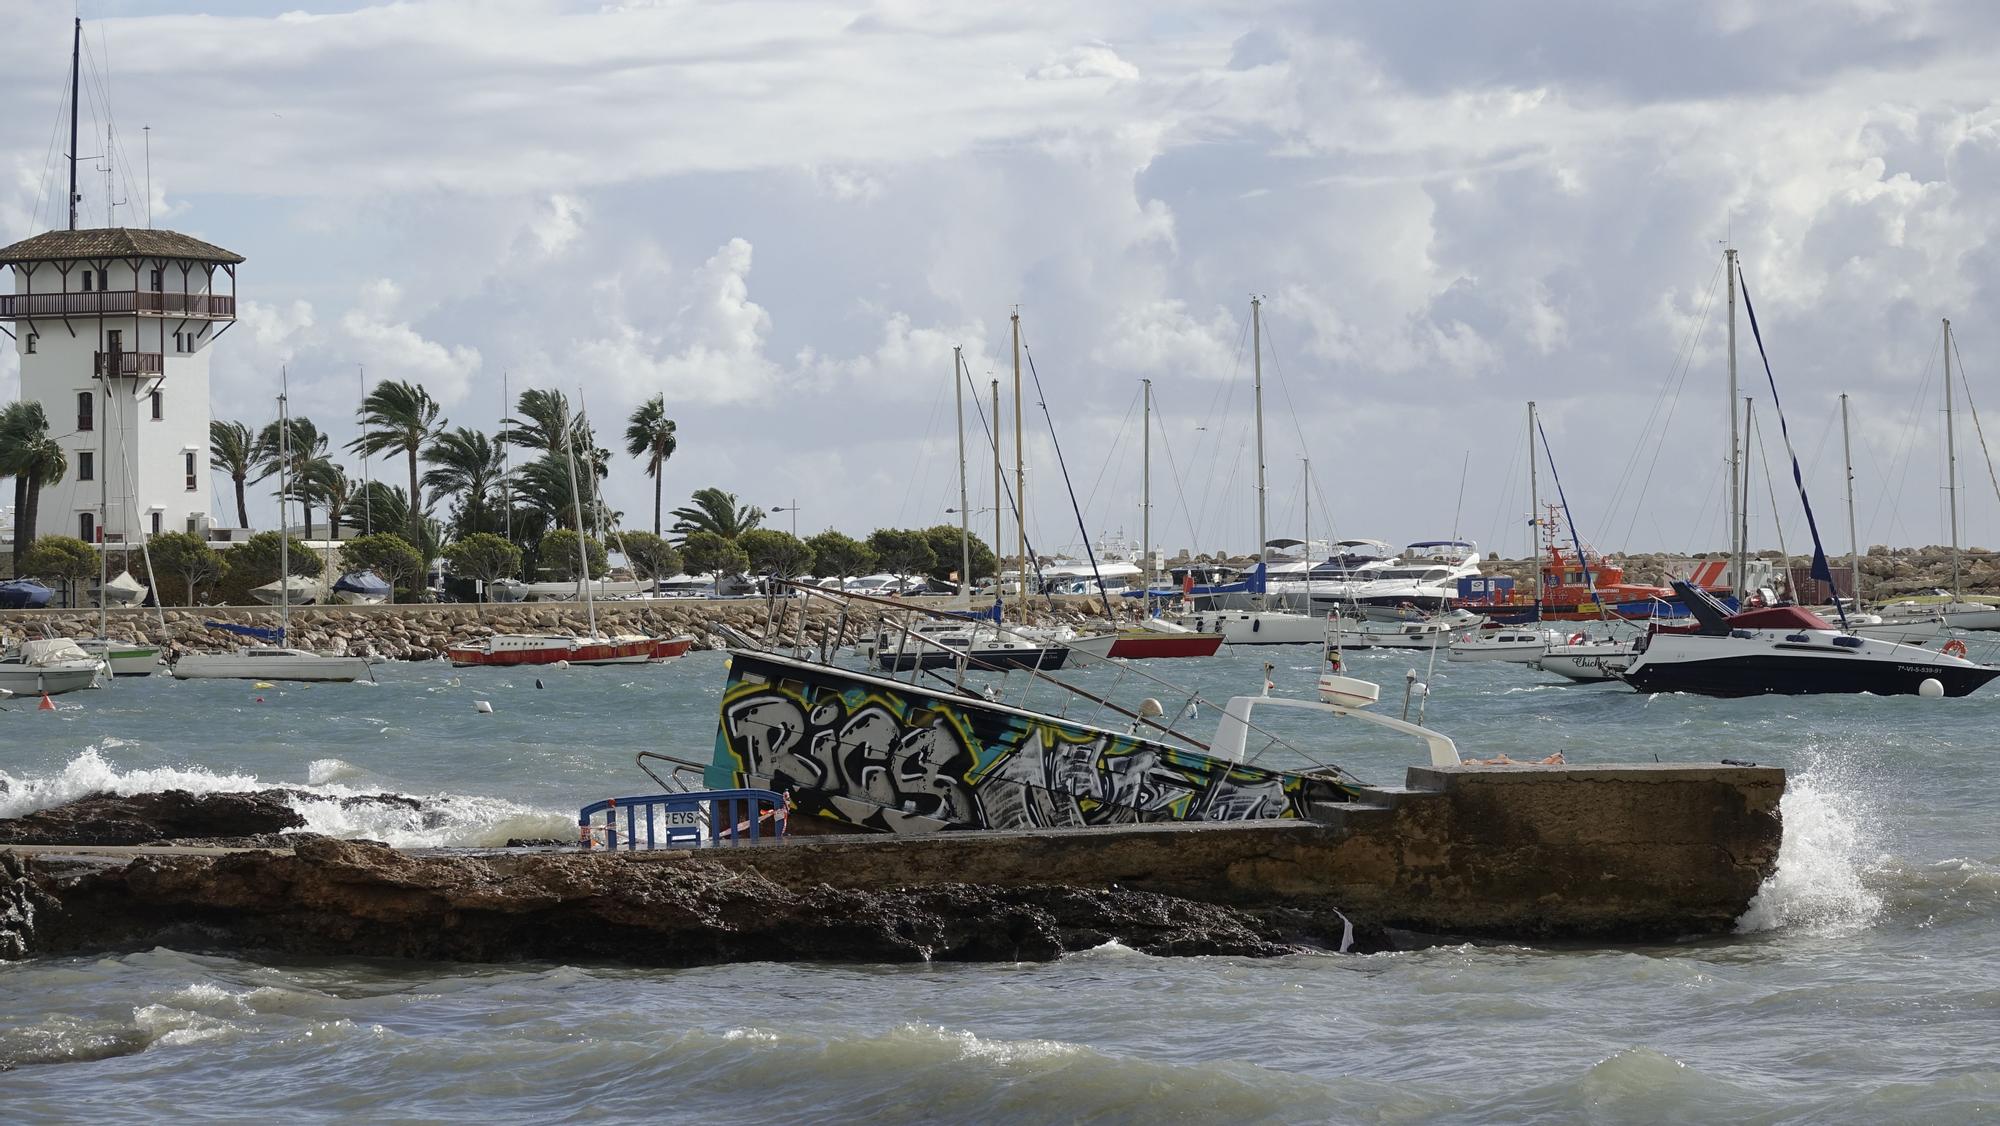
1577,639
1954,648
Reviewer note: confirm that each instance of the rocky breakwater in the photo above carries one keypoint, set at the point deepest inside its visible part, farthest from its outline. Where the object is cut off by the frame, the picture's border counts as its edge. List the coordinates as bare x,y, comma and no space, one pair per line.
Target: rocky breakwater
423,632
68,893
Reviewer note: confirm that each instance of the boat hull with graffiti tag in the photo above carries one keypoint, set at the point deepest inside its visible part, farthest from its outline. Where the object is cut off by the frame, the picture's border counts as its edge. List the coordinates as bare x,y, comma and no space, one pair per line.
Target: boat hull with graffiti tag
893,756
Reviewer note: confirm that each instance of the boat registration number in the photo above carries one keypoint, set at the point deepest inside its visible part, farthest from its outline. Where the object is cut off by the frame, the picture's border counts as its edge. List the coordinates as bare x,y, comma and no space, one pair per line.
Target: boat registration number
676,818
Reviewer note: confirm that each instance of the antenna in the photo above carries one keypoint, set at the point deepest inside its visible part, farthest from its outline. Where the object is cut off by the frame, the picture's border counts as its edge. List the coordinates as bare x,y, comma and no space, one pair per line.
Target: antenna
75,58
110,184
148,130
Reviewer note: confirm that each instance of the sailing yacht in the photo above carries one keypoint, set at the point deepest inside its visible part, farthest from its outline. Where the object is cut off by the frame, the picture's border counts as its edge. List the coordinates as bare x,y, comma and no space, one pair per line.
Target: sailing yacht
1785,649
1260,626
274,662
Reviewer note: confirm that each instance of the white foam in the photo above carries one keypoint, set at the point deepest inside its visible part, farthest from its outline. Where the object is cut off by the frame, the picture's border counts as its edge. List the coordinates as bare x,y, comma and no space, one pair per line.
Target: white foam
320,771
442,821
1822,860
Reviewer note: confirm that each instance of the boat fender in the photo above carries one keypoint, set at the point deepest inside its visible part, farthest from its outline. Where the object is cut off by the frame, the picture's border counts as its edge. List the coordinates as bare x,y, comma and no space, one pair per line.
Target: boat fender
483,707
1931,688
1256,624
1954,648
562,664
1576,639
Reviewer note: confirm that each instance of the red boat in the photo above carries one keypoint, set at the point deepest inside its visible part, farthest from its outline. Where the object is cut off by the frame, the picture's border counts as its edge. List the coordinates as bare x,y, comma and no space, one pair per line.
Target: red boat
526,649
1141,644
667,648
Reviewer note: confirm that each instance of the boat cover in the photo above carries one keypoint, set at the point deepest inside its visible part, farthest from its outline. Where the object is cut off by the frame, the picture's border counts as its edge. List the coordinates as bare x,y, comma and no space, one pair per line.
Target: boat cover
366,583
23,594
272,636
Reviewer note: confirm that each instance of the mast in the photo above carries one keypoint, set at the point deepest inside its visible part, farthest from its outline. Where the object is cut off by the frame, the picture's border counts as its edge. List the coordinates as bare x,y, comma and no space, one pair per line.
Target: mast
964,515
1534,513
999,591
1257,387
1020,469
1853,538
1146,488
1735,497
367,494
284,534
506,470
1743,504
576,502
1951,460
1306,503
104,511
75,58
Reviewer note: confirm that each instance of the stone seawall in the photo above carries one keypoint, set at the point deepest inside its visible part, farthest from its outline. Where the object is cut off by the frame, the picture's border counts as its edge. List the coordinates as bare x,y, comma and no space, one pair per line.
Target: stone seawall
423,631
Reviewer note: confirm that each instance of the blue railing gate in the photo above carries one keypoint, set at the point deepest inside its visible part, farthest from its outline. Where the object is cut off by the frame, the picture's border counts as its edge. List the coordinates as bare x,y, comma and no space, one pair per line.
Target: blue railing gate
696,819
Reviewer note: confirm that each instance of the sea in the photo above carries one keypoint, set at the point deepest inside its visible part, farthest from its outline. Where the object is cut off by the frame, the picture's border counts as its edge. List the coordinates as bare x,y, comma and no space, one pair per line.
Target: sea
1859,986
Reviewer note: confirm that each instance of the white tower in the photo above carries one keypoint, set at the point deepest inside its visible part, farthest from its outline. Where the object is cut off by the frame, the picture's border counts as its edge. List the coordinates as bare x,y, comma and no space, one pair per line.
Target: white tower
114,328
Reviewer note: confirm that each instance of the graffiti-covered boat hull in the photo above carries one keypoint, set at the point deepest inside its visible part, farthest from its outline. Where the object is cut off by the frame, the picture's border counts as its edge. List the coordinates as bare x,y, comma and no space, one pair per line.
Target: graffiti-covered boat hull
903,758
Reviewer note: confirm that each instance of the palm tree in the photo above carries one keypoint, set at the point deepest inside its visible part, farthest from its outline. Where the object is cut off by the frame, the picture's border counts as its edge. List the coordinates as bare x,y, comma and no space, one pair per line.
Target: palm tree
232,448
304,446
650,435
542,486
468,466
398,416
34,459
539,425
716,511
328,484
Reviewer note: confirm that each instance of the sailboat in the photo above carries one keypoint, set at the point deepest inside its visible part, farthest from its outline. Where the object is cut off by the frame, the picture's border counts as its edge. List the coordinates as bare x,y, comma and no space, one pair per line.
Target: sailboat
1260,626
274,662
549,649
1784,649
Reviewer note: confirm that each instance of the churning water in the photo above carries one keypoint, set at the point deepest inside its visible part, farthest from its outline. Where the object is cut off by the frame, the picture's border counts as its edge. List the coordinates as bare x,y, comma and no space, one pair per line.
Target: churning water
1859,986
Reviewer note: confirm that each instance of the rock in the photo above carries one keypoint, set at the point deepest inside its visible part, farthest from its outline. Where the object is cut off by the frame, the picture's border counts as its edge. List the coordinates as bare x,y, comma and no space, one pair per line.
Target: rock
108,819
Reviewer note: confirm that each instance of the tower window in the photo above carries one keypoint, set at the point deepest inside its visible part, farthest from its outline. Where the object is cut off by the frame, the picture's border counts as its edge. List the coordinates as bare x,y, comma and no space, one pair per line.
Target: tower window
159,280
86,411
86,281
32,339
86,465
159,406
177,343
86,527
156,523
187,463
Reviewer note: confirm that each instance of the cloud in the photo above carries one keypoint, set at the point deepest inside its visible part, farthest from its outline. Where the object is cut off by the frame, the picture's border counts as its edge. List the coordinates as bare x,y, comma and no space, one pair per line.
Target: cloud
1091,60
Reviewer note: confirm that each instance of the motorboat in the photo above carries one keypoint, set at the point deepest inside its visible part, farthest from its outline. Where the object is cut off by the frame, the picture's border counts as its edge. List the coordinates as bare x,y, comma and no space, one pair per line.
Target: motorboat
1788,650
270,662
362,588
48,667
1518,646
1354,631
123,658
1422,585
124,590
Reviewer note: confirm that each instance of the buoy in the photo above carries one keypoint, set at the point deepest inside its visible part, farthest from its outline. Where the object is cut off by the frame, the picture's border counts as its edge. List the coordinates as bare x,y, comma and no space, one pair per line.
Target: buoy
260,699
47,705
562,664
538,682
1932,688
483,707
457,683
262,684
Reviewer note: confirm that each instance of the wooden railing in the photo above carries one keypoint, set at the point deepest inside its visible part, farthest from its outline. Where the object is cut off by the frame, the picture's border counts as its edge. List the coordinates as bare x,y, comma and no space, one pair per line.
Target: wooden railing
130,363
14,306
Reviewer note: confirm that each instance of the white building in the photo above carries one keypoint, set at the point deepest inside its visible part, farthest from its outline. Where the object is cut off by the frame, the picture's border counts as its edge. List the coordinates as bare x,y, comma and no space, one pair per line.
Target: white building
113,327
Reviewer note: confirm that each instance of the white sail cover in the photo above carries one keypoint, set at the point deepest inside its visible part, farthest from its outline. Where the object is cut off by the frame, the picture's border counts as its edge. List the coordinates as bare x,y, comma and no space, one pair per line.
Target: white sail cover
52,651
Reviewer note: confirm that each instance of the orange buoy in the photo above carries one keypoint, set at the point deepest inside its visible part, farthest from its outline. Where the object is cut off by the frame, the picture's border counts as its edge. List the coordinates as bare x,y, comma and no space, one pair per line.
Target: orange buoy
47,705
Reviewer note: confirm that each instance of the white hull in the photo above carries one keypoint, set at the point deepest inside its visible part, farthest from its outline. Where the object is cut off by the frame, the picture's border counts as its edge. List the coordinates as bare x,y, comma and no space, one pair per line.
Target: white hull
1259,627
124,658
1392,635
1906,633
32,680
1585,663
269,664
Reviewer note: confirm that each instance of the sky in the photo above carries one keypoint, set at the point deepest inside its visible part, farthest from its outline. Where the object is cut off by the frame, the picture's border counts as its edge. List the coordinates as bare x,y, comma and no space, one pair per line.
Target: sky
784,216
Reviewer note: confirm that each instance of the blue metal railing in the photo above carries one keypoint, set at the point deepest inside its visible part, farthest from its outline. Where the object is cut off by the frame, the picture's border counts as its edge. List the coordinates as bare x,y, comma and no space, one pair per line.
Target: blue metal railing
690,820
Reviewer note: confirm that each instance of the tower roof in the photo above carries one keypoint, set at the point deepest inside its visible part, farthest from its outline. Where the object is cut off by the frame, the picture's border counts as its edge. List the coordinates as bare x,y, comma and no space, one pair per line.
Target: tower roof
113,242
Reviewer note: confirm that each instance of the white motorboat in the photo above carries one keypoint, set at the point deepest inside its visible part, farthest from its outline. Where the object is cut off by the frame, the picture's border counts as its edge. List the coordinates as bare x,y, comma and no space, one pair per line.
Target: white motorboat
48,667
1258,627
1518,646
123,658
1363,632
269,662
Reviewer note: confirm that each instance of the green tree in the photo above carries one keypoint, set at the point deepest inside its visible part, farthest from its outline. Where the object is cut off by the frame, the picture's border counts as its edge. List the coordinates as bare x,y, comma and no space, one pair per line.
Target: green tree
379,507
841,556
715,511
299,445
187,559
650,435
485,558
560,559
649,556
398,416
63,559
706,553
776,553
468,467
945,544
256,559
902,551
387,554
34,459
232,448
539,420
326,484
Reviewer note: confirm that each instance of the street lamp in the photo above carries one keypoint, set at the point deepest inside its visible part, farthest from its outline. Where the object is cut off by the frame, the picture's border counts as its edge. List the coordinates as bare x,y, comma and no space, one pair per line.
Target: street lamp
792,508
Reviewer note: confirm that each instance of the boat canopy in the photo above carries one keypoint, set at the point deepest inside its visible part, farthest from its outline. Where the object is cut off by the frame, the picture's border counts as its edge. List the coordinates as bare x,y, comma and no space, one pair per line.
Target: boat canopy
1779,617
366,583
23,594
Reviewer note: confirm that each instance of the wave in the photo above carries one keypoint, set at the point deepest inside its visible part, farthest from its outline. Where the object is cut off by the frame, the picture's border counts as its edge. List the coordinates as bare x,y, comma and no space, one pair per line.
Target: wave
438,820
1825,860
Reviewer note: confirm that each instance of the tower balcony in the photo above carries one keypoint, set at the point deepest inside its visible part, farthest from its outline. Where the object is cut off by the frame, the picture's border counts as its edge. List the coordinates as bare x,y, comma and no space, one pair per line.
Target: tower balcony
130,363
118,302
